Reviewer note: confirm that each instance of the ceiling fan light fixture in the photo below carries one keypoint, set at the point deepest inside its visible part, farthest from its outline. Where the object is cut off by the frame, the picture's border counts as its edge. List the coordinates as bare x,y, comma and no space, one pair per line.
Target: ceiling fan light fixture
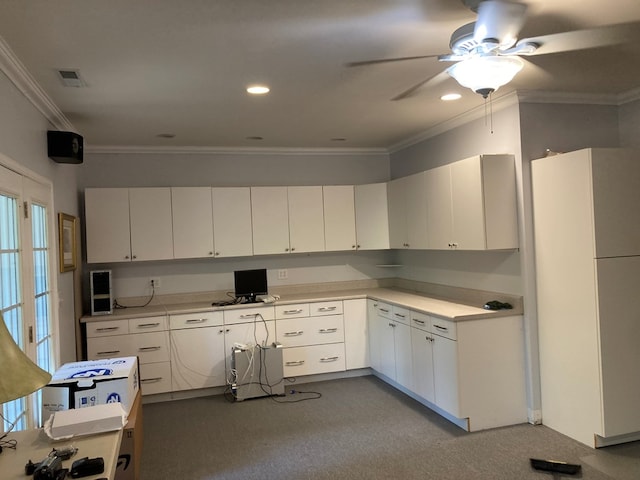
485,74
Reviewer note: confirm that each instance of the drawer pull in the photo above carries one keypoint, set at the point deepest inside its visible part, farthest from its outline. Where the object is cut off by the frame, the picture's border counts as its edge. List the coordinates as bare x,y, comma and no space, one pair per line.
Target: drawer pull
249,315
148,349
293,334
419,322
151,380
384,310
196,320
296,363
444,329
328,330
326,309
107,329
329,359
399,315
149,325
112,352
292,312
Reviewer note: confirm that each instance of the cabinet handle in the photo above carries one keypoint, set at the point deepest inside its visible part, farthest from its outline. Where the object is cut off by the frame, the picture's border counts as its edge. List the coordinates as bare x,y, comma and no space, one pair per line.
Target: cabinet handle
326,309
384,310
329,359
430,339
126,257
292,312
148,349
399,315
107,329
328,330
150,380
294,363
249,315
444,329
148,325
392,325
292,249
112,352
196,320
134,257
420,322
293,334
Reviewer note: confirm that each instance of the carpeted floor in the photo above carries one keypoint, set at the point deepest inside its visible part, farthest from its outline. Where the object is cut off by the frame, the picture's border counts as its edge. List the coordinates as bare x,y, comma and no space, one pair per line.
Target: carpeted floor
360,428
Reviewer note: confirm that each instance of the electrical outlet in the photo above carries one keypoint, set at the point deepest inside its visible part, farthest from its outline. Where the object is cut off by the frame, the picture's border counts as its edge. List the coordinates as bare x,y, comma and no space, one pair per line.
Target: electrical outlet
283,274
154,282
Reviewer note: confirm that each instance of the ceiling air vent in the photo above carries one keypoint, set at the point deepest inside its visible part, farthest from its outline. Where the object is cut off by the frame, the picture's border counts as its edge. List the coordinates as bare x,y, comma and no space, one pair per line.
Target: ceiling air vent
71,78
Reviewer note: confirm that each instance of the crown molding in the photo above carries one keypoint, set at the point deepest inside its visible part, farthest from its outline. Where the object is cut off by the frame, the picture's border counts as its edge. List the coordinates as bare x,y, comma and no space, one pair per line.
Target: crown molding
537,96
160,150
630,96
18,74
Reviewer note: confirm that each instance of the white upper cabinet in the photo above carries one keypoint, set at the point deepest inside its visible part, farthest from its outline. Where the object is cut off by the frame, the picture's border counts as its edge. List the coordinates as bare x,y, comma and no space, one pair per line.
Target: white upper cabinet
270,218
306,219
232,221
151,223
372,217
107,225
471,204
339,218
408,212
192,222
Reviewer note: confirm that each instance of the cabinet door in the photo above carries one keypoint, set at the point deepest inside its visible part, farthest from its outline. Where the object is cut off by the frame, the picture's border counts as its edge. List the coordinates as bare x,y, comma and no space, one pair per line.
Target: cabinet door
339,218
192,215
232,221
445,374
372,217
375,335
402,355
107,225
270,219
397,206
197,358
467,205
416,211
306,219
422,354
356,333
151,225
439,214
387,347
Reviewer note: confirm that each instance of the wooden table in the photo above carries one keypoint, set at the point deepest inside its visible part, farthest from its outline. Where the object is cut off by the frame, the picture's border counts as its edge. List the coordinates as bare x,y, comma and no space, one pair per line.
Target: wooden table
34,445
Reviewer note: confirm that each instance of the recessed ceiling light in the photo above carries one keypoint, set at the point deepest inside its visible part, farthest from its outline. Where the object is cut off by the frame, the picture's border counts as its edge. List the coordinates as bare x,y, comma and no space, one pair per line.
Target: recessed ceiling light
258,89
450,96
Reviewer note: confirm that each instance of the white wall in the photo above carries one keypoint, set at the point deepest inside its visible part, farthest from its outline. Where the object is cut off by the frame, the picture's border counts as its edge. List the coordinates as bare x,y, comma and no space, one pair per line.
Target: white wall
629,120
23,138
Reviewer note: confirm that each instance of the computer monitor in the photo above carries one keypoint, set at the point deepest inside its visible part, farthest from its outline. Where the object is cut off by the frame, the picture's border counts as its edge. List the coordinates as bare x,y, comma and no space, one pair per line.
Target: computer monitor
249,284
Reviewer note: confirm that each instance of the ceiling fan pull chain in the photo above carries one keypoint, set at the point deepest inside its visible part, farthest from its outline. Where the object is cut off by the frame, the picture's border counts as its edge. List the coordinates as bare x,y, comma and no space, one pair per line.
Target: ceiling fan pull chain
491,111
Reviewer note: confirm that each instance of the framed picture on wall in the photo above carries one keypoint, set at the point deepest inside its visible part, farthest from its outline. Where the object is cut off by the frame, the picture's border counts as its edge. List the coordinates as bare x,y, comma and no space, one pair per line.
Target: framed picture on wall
67,241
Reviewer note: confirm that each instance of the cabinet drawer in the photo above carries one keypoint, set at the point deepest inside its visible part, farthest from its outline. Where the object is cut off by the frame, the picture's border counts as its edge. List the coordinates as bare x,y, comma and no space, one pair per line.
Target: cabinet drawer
249,314
444,328
325,308
310,331
299,361
148,324
420,320
150,347
195,320
109,327
109,347
155,378
401,314
292,311
384,310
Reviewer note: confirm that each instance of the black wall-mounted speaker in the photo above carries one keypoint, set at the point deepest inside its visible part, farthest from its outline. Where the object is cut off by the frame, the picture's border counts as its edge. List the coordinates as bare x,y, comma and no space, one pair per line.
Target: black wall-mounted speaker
64,147
101,295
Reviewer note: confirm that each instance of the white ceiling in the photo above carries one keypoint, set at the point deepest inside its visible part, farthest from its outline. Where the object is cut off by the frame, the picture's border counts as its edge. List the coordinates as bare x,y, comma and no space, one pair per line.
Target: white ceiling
181,66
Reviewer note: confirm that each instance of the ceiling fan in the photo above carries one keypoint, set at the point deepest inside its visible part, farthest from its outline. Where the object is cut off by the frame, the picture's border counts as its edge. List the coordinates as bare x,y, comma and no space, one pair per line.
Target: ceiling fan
487,52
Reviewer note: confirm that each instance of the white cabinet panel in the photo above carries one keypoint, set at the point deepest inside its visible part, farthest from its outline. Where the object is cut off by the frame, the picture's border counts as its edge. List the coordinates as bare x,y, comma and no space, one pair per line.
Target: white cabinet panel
295,332
232,221
439,210
466,204
192,214
155,378
107,225
372,217
151,223
403,356
339,218
356,333
408,212
197,358
306,219
270,219
397,206
422,355
445,371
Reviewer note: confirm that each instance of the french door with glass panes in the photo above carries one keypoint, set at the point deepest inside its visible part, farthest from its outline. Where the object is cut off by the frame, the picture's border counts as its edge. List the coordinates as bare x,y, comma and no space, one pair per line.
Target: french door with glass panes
26,267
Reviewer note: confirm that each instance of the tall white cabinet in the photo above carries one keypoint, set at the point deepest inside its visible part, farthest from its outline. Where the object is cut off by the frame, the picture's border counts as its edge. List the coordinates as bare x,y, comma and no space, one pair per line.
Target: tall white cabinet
587,241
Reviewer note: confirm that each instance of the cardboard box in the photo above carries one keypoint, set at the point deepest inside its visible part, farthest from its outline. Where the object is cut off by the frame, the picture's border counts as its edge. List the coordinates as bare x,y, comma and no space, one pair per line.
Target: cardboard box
88,421
94,382
129,458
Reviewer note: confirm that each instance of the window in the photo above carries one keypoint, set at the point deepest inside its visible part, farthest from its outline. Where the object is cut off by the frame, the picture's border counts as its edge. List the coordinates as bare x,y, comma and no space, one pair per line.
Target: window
25,281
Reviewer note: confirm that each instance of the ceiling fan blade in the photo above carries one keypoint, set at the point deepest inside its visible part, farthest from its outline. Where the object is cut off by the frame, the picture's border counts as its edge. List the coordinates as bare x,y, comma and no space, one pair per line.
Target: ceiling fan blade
388,60
499,22
433,80
584,39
